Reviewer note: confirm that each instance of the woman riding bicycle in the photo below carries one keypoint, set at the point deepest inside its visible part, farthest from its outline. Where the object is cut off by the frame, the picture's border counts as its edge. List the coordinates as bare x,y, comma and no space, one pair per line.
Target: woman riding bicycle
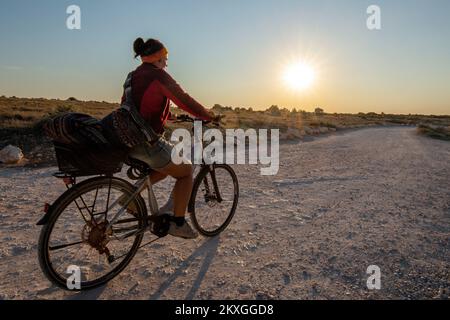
152,90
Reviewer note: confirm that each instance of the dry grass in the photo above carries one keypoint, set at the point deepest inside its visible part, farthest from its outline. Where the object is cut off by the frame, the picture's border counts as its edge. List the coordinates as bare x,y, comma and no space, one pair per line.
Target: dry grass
437,132
25,113
22,117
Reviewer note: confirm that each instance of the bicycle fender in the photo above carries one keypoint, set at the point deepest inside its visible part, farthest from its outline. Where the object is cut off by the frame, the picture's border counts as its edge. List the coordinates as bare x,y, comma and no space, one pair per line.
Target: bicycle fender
44,220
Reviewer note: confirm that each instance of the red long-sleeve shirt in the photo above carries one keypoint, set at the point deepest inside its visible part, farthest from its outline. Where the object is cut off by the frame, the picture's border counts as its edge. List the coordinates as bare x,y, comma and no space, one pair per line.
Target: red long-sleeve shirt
153,89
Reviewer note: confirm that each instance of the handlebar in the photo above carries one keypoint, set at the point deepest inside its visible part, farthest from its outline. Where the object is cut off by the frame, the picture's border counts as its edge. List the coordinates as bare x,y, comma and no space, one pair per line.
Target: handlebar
186,118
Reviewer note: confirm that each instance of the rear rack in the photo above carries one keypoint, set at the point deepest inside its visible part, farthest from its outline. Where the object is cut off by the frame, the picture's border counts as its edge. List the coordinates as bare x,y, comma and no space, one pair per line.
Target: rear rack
68,179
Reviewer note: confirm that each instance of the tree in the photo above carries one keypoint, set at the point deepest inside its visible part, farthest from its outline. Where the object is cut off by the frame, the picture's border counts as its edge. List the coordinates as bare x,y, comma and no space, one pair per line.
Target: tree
318,111
217,107
285,111
274,110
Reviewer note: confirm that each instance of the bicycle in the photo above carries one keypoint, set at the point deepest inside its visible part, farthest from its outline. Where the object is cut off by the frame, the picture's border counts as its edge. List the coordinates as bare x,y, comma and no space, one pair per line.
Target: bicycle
107,226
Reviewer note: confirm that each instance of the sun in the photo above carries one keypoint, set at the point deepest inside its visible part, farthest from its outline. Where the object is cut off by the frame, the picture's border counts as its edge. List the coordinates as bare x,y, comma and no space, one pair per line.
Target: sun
299,76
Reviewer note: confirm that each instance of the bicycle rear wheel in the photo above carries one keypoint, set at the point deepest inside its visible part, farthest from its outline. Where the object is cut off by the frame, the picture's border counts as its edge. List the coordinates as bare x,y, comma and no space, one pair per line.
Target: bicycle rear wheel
214,199
76,234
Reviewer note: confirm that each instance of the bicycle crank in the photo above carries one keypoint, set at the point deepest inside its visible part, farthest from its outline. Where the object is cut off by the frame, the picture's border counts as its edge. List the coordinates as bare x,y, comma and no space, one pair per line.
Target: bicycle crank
160,225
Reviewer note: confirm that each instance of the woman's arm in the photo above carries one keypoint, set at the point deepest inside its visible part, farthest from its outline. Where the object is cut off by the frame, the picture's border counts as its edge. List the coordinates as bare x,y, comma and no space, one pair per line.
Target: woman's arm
172,90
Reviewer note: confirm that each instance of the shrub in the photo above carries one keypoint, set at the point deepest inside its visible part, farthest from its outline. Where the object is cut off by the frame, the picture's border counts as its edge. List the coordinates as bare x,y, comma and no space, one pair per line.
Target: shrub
274,110
435,132
319,111
63,109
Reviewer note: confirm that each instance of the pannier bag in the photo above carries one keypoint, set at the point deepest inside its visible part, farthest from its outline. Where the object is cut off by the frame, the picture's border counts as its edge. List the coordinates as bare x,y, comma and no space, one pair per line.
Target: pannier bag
81,146
75,129
88,161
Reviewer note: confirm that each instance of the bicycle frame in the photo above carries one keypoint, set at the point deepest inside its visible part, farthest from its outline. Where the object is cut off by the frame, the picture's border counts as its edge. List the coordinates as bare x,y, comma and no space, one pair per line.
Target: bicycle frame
141,185
153,204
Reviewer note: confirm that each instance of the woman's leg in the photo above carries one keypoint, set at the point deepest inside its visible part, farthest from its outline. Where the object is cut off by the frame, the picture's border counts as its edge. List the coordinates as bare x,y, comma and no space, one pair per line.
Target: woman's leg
156,176
158,157
183,186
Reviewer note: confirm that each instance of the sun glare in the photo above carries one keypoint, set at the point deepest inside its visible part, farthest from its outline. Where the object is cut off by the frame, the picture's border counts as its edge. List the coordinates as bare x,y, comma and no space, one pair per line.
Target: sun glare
299,76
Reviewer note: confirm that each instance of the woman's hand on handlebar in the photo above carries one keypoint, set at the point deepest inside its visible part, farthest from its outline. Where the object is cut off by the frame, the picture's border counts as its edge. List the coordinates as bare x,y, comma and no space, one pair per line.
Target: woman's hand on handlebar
184,118
215,119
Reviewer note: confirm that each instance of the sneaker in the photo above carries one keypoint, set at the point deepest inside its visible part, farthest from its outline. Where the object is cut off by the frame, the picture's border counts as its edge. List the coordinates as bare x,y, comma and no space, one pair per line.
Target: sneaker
185,231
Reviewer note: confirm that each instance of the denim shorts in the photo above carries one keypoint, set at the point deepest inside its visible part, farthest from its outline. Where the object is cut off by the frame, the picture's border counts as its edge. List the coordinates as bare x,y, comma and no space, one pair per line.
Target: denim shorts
157,156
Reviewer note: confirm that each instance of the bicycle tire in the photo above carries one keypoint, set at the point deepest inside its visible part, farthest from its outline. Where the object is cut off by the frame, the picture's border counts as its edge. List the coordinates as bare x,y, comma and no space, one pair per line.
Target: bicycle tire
58,208
197,183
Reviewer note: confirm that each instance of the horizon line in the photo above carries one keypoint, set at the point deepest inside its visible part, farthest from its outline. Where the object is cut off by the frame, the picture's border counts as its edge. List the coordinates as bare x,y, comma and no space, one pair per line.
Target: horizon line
233,107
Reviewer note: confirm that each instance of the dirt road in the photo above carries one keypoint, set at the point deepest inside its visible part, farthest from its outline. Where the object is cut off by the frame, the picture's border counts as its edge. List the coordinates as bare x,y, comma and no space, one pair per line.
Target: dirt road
378,196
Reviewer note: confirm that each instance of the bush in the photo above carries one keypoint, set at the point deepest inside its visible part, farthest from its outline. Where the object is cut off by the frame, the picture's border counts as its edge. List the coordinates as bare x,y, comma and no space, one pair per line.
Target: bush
322,124
274,110
435,132
319,111
63,109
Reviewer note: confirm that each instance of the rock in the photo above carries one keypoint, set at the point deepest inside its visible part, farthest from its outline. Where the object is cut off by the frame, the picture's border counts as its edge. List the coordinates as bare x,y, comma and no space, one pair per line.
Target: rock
243,289
286,279
263,296
11,154
323,129
18,250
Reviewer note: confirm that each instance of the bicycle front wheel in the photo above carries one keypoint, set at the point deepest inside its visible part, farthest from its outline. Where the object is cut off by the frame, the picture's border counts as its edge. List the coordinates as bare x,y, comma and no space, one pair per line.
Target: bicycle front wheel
214,199
76,240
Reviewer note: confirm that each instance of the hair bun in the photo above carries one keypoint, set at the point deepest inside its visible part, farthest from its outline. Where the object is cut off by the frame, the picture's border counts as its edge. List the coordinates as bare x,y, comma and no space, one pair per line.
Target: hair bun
138,46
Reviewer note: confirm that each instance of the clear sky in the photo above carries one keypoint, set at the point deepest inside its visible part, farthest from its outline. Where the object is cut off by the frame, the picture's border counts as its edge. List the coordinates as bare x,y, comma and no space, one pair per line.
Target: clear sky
234,52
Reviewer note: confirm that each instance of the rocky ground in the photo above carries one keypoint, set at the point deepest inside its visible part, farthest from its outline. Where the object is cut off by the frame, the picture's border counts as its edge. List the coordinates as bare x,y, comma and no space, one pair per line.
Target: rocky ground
340,203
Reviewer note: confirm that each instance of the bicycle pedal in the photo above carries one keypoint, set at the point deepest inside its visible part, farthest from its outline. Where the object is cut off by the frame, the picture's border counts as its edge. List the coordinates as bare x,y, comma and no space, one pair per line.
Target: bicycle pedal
160,225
